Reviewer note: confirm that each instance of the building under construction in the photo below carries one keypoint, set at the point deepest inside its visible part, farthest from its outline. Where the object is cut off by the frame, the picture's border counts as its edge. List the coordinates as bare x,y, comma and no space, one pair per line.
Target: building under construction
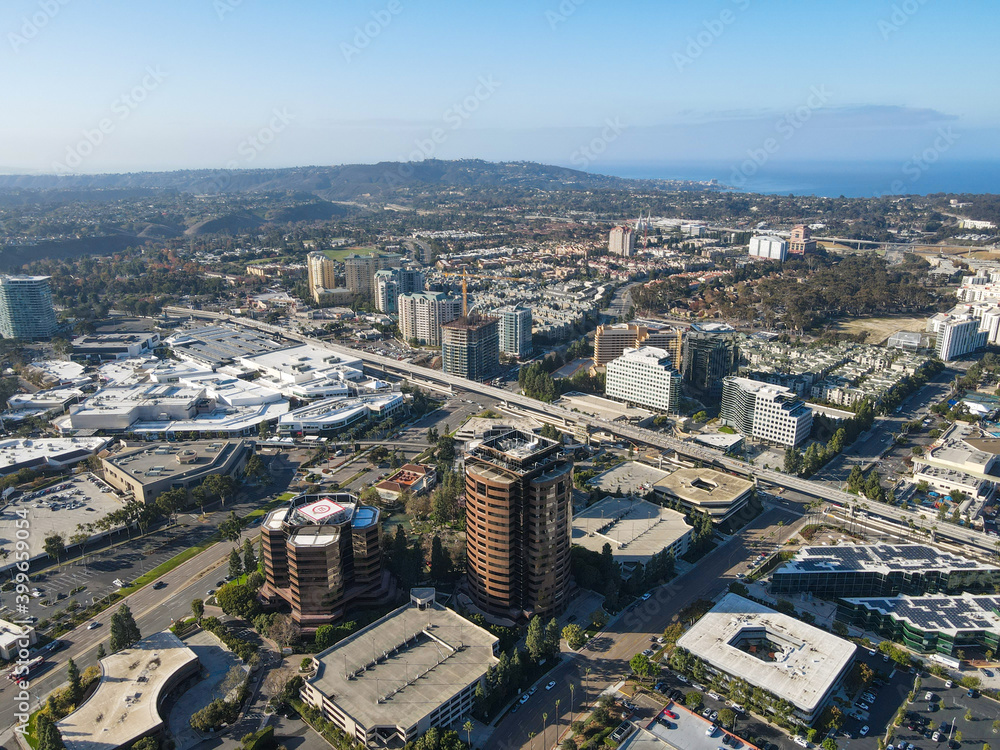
470,347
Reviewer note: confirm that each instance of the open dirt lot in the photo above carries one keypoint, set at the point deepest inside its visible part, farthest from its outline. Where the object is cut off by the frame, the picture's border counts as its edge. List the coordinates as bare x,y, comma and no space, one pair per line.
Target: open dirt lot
879,329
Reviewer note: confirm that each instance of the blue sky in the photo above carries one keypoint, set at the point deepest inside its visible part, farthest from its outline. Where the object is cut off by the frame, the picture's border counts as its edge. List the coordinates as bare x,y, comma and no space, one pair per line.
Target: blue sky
586,83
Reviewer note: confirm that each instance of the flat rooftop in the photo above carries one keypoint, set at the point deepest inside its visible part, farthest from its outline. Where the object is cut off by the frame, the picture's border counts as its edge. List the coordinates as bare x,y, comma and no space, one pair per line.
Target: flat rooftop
629,477
158,462
704,486
399,669
878,558
795,661
603,408
123,708
82,498
950,615
17,453
300,361
221,344
635,529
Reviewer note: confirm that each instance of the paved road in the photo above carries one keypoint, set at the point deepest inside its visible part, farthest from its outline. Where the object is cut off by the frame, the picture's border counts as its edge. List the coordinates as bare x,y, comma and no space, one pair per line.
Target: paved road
608,654
153,611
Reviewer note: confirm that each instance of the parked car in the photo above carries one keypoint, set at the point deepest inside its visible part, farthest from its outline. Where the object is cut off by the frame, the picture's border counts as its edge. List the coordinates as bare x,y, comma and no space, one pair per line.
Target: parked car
864,730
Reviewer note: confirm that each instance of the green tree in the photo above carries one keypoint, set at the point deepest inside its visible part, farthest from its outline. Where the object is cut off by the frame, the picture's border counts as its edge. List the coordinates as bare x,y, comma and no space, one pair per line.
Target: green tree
75,687
534,641
100,651
249,558
727,717
574,636
599,618
641,665
146,743
235,563
692,700
552,635
54,546
237,600
793,461
440,561
855,479
47,734
124,631
828,744
198,609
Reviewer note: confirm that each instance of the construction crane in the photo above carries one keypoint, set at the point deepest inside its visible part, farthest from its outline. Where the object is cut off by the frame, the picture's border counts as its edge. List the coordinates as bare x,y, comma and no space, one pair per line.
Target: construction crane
465,284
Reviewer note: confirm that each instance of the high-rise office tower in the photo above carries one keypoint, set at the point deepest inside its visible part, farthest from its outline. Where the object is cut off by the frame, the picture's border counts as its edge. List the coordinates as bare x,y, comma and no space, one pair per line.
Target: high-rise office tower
708,358
26,310
321,553
518,491
515,331
470,347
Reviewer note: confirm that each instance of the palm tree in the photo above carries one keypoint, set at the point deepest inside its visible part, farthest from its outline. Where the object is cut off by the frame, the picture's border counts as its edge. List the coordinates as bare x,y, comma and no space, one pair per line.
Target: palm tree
468,727
557,719
531,739
572,702
545,721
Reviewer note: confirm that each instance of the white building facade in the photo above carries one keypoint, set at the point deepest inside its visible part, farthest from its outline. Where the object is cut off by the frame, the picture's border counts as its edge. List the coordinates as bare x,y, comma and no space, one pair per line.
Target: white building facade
770,247
622,241
764,411
644,377
421,316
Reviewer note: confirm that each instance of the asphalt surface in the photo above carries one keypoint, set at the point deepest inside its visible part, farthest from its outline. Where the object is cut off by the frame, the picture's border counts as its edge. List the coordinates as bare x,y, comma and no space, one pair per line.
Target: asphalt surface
153,611
608,653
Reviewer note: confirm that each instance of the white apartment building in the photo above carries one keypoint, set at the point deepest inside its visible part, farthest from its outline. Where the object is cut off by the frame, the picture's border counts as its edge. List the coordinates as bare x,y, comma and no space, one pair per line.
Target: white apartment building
515,331
392,282
644,377
622,241
768,246
957,334
764,411
421,316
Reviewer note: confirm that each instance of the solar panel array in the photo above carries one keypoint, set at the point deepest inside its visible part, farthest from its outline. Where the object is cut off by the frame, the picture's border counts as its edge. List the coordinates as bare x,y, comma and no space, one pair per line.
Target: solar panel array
939,613
892,557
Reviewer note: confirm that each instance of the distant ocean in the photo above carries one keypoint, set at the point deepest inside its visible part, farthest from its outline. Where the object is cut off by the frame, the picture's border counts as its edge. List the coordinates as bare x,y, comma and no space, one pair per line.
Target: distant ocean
828,179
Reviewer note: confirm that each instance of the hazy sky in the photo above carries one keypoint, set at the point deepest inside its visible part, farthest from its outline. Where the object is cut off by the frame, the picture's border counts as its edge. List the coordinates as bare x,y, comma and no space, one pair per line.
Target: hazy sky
584,83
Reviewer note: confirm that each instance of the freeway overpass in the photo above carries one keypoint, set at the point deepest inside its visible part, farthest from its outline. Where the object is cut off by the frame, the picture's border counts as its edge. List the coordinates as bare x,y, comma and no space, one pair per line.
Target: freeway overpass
568,420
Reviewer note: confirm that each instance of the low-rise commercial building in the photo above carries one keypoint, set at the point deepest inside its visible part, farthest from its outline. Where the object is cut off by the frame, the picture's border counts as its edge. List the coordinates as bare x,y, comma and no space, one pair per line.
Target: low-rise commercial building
101,347
768,247
798,663
147,472
49,453
413,478
13,638
708,491
882,570
134,684
928,624
416,668
322,554
635,529
333,415
646,377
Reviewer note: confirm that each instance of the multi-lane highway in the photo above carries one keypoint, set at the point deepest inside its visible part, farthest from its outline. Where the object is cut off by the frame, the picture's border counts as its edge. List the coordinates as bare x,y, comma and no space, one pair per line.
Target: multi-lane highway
566,419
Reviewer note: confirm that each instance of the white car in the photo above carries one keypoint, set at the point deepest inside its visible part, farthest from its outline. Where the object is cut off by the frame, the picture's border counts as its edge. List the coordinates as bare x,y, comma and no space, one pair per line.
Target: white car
864,730
550,685
524,699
